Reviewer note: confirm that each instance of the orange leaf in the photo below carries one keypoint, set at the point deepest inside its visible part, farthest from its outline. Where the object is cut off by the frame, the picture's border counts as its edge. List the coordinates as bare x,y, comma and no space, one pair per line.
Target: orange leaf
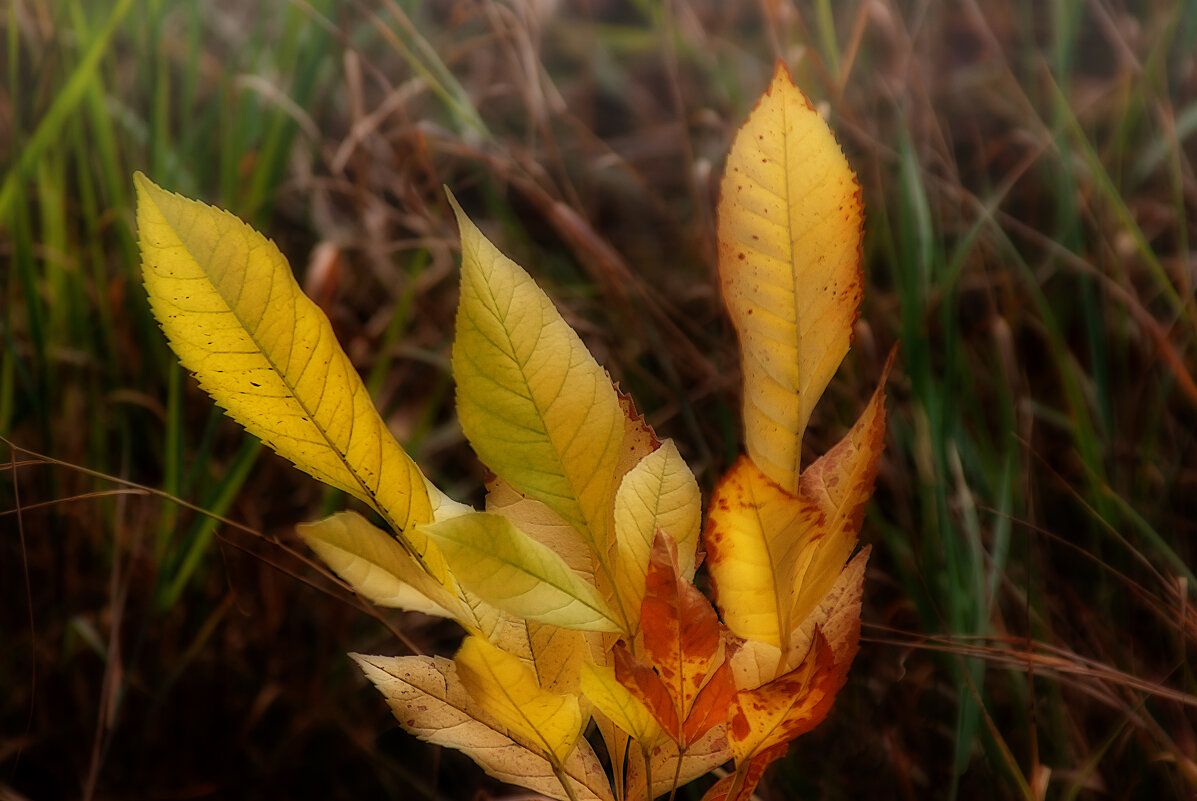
788,706
752,774
711,705
644,683
681,629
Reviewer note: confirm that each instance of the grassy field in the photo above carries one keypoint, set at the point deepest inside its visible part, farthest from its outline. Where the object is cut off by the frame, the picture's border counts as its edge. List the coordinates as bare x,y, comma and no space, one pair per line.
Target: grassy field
1028,174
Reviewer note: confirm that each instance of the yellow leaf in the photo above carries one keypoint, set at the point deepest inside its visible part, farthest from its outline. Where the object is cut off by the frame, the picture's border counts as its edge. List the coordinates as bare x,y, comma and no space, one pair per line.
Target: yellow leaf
558,656
751,523
773,556
233,313
429,701
535,406
619,705
511,571
508,691
660,492
542,524
378,568
789,230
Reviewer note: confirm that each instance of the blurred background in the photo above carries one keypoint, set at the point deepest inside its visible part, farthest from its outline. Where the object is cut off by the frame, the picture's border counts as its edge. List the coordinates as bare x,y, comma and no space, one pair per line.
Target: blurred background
1028,175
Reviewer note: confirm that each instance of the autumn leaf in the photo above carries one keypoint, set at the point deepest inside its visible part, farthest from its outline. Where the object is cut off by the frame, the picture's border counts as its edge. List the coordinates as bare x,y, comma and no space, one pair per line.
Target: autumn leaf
508,691
227,301
429,700
788,706
739,786
774,556
659,493
378,568
533,403
620,705
687,686
510,570
789,230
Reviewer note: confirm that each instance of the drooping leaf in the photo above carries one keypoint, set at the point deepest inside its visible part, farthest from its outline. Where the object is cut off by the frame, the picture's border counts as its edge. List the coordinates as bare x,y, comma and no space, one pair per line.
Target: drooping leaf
541,523
510,570
789,230
535,406
625,710
507,690
660,492
378,568
789,706
227,301
430,702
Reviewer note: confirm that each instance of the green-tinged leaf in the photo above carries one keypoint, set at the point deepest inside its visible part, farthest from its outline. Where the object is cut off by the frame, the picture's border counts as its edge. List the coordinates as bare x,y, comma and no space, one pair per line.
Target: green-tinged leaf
600,685
507,690
235,316
790,231
511,571
430,702
535,406
378,568
660,492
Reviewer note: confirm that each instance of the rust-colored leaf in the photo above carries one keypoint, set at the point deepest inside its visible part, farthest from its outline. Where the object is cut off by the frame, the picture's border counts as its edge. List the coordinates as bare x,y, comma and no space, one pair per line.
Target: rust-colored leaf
788,706
749,776
681,629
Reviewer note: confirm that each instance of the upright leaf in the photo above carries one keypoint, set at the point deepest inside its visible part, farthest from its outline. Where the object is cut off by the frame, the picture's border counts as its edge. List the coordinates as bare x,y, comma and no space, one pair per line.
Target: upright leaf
535,406
429,701
235,316
773,556
688,686
659,493
789,230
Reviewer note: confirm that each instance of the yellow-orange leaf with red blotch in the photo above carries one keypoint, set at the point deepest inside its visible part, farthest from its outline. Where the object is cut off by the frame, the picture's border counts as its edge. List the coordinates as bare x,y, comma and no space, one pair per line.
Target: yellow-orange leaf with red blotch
788,706
790,231
774,556
839,484
748,775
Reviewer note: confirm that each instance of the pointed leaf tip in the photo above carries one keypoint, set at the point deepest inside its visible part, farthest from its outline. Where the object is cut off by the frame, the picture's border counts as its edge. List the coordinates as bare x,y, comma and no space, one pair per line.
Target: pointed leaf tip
790,228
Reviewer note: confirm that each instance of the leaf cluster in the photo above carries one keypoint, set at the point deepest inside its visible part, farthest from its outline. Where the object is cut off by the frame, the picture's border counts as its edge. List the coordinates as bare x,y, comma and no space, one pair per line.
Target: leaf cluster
575,582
